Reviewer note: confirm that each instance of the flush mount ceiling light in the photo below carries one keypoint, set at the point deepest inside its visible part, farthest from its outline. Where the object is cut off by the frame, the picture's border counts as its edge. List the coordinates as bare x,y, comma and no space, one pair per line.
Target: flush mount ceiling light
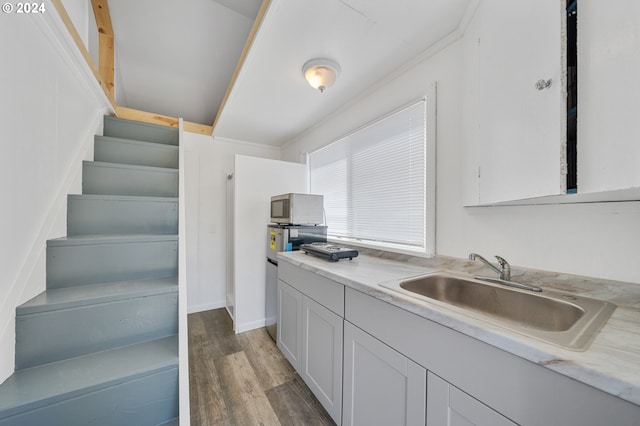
321,73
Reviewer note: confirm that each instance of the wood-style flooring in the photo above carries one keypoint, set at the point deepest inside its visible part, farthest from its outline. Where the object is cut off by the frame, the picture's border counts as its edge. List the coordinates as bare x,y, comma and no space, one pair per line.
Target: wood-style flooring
243,379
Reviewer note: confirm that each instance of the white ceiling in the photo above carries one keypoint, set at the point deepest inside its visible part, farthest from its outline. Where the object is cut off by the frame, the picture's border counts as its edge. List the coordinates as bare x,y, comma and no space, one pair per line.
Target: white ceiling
271,102
176,58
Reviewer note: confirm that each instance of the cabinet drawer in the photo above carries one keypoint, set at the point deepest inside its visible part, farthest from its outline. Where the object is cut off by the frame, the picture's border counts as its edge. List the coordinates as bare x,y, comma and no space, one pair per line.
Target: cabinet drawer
324,291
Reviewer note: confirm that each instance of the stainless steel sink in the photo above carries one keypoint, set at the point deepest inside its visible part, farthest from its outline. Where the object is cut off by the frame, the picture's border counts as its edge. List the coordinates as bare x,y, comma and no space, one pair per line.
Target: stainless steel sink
561,319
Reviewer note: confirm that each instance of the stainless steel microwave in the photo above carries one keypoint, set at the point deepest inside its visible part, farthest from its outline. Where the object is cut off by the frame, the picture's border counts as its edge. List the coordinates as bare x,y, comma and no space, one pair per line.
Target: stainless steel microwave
297,209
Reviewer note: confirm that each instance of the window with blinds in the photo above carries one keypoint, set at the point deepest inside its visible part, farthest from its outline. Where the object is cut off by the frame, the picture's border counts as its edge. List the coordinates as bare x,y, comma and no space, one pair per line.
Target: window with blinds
374,181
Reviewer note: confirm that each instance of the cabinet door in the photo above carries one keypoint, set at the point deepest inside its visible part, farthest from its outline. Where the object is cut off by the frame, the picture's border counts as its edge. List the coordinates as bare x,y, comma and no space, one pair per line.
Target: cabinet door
608,102
381,386
514,134
290,323
322,355
449,406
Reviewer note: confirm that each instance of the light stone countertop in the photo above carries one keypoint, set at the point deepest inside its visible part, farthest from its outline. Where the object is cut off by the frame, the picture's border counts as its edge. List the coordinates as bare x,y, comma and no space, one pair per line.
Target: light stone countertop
611,363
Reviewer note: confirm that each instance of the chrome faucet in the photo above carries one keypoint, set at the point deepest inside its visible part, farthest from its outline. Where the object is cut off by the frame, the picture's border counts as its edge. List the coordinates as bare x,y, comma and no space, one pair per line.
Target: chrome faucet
504,270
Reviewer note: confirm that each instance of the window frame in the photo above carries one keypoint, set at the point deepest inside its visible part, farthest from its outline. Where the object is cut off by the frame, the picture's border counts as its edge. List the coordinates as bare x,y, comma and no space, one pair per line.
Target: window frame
429,247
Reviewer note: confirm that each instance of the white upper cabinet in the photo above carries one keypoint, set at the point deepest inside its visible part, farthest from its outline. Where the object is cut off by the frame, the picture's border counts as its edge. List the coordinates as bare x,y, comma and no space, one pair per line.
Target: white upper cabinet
608,95
514,133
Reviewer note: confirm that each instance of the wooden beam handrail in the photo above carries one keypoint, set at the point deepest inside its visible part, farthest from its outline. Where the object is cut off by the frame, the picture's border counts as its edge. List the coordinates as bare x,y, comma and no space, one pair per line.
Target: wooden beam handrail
64,16
106,56
163,120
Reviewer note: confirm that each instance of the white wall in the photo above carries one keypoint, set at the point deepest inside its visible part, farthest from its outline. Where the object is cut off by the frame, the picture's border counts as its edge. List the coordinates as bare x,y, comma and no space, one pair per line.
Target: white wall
78,11
598,239
208,162
49,114
255,180
81,14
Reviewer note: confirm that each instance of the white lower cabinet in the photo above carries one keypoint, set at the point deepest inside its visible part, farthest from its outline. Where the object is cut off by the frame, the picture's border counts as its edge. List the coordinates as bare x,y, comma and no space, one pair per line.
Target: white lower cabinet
366,361
449,406
290,323
381,386
322,355
310,335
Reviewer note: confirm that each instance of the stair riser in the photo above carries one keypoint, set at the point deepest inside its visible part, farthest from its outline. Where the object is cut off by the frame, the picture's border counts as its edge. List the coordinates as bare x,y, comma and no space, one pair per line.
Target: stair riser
53,336
69,266
140,131
123,152
108,180
95,216
145,401
106,354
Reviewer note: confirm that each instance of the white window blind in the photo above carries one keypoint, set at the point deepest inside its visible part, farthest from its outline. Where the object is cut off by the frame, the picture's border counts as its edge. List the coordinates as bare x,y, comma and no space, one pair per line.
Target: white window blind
374,180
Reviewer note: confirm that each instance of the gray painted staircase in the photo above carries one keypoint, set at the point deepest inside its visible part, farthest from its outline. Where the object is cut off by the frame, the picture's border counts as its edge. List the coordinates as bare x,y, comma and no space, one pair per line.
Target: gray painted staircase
100,345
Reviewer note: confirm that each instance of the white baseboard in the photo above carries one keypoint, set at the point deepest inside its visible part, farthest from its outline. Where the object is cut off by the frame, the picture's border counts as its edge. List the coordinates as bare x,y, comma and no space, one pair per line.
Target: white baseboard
229,309
205,307
240,328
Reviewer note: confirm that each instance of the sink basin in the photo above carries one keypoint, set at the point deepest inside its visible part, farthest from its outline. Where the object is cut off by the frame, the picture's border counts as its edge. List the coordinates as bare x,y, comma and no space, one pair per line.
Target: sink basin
558,318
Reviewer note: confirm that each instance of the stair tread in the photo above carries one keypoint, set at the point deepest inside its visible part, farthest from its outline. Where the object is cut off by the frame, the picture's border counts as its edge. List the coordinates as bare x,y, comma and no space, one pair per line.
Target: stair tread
154,145
36,387
123,198
75,240
67,297
158,129
130,166
141,123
